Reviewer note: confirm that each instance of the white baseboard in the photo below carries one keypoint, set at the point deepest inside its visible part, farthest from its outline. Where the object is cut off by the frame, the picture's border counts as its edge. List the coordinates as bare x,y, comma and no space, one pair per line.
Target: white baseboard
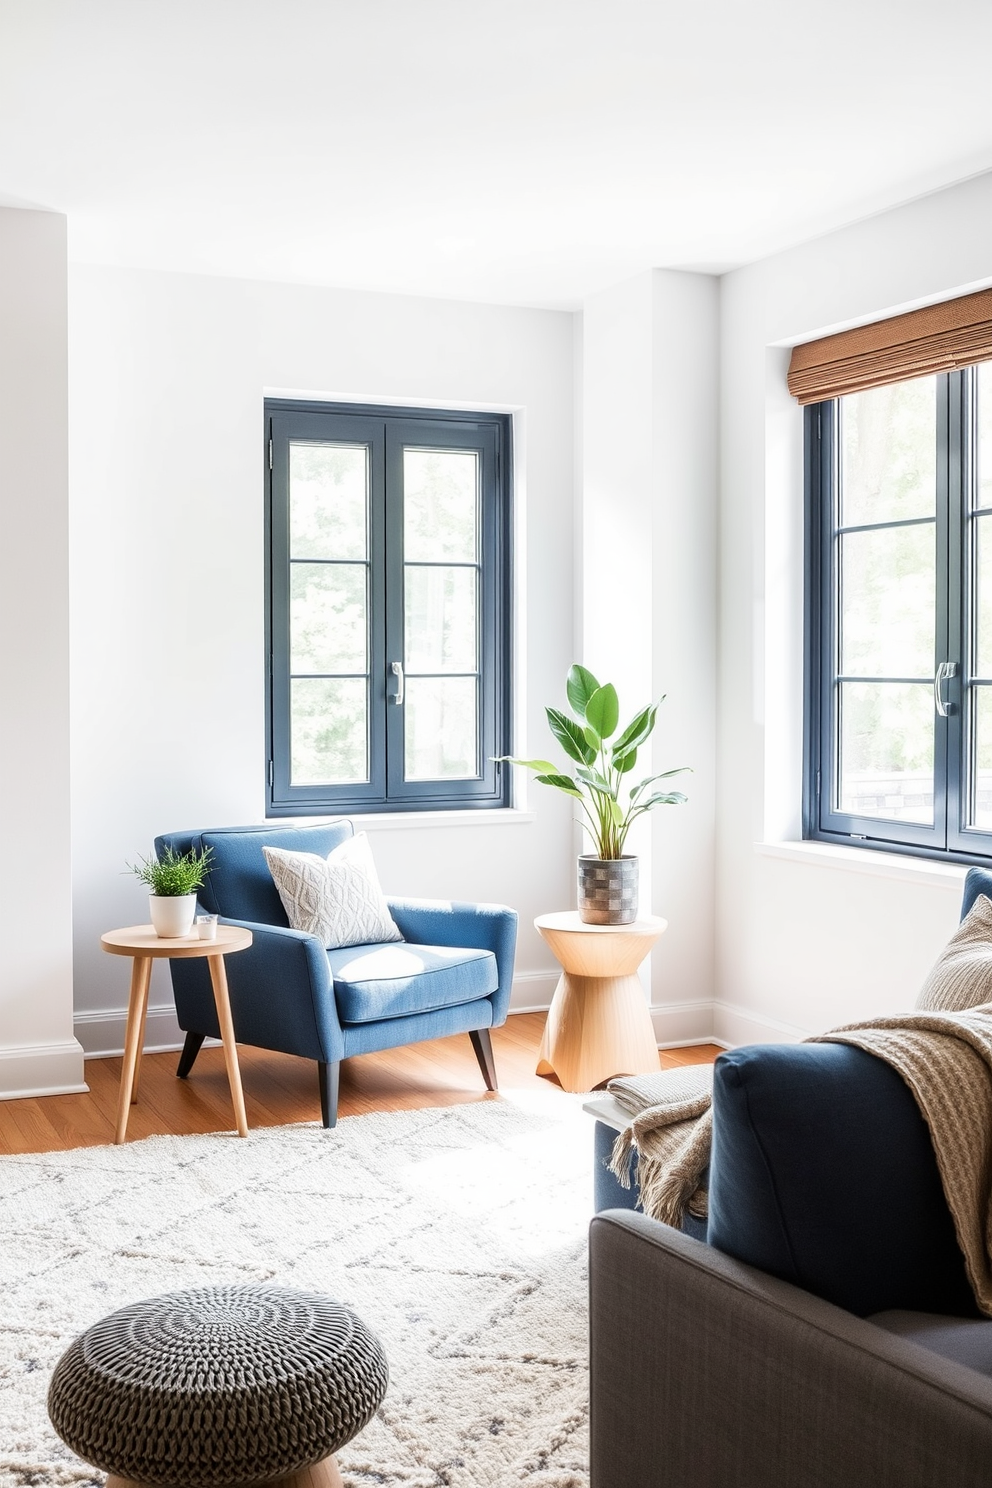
677,1024
532,991
734,1025
101,1033
41,1069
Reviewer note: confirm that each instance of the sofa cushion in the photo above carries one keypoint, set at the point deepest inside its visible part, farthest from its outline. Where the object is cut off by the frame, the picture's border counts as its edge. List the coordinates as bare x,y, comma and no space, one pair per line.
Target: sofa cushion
962,975
967,1341
393,981
239,884
823,1173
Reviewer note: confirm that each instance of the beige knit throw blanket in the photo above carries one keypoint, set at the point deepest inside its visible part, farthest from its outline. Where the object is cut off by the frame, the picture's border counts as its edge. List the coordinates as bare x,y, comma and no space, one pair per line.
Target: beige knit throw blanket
944,1058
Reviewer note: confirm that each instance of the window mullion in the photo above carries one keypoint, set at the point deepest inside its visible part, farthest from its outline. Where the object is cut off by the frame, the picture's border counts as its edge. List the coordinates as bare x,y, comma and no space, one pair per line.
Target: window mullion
946,635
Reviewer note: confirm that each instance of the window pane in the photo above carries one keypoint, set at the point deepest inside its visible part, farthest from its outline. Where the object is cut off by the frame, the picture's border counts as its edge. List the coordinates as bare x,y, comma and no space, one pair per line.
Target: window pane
440,505
886,750
441,619
888,598
328,617
983,442
441,728
888,452
328,501
983,596
329,728
981,811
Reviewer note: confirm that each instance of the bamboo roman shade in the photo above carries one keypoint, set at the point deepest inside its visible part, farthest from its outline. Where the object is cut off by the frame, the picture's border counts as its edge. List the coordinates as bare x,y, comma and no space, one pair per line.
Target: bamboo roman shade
937,338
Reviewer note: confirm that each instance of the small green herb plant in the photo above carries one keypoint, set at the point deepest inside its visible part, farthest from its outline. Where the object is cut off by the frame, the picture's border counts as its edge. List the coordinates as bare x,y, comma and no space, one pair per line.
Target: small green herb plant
601,767
174,873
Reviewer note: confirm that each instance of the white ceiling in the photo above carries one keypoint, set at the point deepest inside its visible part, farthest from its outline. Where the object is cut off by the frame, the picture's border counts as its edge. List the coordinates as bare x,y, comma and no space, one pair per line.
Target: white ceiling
526,151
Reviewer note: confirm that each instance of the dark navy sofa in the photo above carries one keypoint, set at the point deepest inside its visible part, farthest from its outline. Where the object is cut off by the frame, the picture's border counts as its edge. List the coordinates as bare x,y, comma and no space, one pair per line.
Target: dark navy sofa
825,1334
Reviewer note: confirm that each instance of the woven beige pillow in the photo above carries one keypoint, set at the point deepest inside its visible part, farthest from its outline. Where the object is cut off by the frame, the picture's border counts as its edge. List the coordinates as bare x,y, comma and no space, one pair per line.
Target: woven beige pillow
962,977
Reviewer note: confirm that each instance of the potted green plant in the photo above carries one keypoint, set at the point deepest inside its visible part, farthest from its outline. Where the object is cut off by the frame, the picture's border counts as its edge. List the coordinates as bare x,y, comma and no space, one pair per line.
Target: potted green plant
172,881
608,877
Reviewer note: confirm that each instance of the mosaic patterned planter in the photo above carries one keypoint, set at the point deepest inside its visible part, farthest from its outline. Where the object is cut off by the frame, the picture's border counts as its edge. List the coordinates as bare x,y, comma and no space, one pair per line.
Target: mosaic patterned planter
607,890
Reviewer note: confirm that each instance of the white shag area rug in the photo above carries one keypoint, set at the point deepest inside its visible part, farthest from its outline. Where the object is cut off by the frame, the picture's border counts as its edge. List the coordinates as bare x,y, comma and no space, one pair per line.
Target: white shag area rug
458,1234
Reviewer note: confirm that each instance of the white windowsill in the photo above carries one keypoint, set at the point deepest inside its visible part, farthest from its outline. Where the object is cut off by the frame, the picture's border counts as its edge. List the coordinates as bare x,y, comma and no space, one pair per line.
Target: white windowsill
413,820
865,860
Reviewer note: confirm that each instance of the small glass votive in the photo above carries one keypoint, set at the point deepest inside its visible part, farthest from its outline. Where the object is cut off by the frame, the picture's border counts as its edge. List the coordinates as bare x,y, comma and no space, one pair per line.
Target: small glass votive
206,927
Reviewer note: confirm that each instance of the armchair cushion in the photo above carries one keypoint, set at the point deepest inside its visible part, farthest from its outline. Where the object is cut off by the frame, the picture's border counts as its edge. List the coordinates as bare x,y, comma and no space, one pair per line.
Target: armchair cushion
394,981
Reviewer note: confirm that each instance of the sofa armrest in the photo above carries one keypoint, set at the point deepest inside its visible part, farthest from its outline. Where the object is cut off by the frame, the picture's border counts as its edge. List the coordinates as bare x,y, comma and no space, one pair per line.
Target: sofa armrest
706,1373
481,927
282,993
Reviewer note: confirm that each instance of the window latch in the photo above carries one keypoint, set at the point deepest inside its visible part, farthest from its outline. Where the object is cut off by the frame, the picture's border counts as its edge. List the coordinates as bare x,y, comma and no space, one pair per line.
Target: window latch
944,672
396,667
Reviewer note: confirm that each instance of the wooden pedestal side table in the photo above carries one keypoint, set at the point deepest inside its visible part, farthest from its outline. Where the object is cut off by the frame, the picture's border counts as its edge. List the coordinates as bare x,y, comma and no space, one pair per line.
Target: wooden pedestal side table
141,942
598,1024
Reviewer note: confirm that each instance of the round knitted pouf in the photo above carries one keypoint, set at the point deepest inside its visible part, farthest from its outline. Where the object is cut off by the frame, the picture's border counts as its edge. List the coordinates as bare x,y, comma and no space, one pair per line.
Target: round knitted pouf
219,1387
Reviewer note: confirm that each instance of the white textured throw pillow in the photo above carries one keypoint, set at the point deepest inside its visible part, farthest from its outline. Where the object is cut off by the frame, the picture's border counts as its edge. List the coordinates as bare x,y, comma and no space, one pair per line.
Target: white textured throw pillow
962,977
336,898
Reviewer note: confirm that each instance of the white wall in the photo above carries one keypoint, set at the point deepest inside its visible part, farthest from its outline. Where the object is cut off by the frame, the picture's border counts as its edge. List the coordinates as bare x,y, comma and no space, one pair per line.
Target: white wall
38,1053
167,375
812,936
648,591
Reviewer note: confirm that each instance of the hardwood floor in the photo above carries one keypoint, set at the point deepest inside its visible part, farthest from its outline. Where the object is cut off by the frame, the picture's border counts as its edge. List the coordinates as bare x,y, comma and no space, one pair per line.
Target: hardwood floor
280,1089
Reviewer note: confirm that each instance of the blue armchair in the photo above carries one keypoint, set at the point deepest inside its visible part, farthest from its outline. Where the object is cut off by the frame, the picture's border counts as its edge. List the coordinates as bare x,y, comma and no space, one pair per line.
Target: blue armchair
450,974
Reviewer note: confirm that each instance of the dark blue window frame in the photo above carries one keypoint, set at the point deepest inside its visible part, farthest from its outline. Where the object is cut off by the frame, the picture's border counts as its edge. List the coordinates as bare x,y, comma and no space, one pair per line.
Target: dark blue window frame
952,837
386,432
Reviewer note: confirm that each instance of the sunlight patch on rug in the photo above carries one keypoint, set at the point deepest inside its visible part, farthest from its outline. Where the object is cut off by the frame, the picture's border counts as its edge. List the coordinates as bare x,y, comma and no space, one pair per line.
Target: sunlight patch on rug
457,1233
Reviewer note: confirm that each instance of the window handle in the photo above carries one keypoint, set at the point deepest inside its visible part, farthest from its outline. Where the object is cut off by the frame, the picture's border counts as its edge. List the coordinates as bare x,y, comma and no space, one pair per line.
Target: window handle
944,672
396,667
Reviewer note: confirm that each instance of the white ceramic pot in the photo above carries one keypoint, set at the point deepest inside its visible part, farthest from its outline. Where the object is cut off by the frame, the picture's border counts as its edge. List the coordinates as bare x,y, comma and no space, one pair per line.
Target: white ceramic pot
172,914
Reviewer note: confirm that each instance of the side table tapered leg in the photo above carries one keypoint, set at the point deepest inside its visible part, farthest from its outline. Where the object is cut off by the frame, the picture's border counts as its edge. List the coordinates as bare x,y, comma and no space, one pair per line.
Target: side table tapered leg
141,972
141,1042
218,978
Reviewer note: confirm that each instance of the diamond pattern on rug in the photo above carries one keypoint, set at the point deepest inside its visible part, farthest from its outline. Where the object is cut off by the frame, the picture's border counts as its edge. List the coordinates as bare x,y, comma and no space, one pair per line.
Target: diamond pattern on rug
458,1234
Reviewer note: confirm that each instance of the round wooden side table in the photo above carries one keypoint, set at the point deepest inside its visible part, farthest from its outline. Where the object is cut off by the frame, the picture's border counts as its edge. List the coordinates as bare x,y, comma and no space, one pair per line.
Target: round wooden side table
141,942
598,1023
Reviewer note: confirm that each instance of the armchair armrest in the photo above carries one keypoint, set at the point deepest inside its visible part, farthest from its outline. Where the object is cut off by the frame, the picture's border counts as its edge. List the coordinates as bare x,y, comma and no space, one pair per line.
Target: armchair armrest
282,993
482,927
707,1372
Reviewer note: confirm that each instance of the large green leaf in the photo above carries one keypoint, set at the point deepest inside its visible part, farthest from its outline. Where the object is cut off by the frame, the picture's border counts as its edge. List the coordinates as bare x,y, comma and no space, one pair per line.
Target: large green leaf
626,761
594,781
561,782
650,779
592,738
546,767
670,798
579,688
592,777
638,728
603,710
570,737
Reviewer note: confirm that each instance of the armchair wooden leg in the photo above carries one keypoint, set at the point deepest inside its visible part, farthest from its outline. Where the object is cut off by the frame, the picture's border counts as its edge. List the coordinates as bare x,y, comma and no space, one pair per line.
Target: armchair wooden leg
483,1046
328,1076
190,1050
